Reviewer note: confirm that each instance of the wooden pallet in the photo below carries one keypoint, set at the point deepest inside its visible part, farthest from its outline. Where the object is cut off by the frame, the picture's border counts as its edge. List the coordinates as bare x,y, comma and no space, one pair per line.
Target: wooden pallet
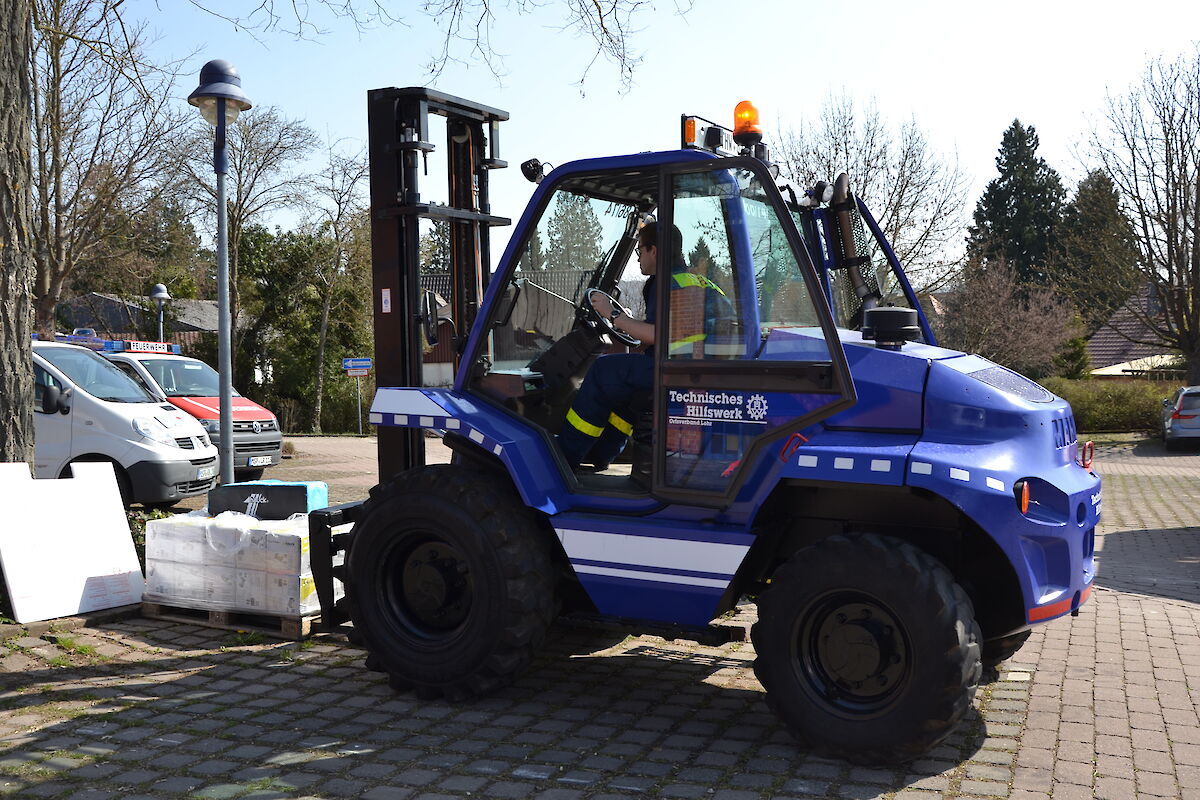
283,626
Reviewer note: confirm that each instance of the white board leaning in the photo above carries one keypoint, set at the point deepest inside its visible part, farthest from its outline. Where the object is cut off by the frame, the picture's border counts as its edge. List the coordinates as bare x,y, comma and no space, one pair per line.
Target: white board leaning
65,546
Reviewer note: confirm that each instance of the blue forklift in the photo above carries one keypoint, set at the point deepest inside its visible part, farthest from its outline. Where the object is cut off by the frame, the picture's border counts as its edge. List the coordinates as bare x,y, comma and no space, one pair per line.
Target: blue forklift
901,514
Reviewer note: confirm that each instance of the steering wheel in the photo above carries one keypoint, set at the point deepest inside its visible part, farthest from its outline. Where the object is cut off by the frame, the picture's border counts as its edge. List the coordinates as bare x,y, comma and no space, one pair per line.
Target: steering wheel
598,322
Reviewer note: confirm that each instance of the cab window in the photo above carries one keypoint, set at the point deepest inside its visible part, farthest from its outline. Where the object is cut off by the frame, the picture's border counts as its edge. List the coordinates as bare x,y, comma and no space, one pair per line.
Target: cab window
42,379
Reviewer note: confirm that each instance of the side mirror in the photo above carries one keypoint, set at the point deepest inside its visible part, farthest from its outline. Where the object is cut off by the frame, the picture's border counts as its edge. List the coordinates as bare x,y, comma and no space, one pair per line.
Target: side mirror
428,317
509,302
1166,403
54,400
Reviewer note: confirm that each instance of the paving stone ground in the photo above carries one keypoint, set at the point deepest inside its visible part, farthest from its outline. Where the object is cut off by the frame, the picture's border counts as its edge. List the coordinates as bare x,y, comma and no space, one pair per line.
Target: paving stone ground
1100,706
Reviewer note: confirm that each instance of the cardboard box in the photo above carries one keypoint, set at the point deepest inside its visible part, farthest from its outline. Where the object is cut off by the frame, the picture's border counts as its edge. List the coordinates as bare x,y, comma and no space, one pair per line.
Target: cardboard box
269,499
232,562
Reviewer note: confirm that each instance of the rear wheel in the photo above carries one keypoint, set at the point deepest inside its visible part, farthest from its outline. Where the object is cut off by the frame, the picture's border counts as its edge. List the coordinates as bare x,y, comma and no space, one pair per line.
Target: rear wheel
867,648
451,582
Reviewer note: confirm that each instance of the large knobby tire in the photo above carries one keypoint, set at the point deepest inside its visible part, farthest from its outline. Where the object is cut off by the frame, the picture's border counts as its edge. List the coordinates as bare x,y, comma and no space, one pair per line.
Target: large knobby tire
1002,649
868,649
451,583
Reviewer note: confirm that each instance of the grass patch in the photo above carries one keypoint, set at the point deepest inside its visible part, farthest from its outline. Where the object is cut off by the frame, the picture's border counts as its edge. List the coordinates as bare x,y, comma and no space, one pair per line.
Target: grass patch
245,639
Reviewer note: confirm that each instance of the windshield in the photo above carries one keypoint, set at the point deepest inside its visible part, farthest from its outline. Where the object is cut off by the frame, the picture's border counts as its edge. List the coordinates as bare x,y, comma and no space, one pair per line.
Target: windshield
184,378
95,375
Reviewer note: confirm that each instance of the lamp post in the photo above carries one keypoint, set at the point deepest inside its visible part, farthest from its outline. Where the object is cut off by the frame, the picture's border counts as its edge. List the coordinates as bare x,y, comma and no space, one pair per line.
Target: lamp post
220,99
160,295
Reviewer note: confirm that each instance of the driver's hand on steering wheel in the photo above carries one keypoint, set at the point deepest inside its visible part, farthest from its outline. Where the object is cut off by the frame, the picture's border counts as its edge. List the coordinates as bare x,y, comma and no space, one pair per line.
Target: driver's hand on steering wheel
602,305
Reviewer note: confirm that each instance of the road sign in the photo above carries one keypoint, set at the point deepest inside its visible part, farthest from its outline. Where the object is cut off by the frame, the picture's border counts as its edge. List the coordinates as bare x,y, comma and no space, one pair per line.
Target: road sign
356,363
358,372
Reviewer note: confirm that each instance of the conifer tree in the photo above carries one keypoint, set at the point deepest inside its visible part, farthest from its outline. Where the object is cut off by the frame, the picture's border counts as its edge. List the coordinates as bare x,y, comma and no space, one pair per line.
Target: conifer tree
1017,215
1096,256
574,233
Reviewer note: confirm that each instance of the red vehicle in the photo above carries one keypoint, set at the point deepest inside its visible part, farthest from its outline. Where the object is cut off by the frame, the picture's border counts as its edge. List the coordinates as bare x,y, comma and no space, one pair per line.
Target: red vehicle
192,386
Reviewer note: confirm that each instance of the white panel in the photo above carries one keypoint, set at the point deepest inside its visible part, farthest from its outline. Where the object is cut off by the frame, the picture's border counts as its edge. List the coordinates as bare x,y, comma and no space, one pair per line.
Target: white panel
426,422
843,463
375,419
498,449
960,474
807,461
64,544
452,424
649,551
475,436
921,468
405,401
881,465
996,484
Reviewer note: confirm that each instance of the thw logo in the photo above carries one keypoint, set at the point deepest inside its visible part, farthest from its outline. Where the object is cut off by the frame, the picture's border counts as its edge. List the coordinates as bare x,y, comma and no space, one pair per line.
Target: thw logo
254,501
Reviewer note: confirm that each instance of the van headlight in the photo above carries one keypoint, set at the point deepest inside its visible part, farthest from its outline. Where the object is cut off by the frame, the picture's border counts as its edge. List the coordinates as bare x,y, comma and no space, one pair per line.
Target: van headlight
211,425
154,430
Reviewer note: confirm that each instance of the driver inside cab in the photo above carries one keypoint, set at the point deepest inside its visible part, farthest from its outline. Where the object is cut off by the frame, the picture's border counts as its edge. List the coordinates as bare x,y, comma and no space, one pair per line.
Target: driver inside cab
599,423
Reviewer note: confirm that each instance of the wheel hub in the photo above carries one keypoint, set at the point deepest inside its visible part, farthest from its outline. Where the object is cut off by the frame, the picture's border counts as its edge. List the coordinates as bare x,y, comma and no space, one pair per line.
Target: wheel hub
435,585
853,652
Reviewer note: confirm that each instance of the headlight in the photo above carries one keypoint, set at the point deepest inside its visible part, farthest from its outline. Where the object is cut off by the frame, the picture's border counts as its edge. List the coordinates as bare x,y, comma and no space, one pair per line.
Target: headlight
211,425
154,430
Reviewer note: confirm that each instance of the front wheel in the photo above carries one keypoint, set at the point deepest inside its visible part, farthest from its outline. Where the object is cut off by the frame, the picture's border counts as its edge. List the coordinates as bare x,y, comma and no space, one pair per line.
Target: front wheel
867,648
451,582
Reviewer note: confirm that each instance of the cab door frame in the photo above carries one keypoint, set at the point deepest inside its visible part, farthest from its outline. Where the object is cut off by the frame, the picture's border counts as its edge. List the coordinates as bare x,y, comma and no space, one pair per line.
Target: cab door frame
831,377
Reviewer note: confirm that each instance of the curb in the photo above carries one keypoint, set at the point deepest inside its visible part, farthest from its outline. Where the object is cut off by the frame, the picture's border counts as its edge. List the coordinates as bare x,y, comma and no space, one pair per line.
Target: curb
87,620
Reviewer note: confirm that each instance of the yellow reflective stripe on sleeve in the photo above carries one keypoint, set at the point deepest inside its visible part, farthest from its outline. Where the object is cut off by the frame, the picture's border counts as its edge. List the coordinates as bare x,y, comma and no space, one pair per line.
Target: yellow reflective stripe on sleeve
684,344
580,424
687,279
620,424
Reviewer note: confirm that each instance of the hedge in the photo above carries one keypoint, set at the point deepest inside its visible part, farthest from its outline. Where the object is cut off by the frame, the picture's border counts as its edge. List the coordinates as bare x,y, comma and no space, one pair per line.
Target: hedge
1108,406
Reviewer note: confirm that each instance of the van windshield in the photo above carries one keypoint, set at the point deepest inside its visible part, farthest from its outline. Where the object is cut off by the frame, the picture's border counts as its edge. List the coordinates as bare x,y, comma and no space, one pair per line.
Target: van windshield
95,375
184,377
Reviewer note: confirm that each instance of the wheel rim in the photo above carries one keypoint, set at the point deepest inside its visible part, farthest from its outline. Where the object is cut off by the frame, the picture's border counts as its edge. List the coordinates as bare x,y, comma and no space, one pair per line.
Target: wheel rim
851,651
427,586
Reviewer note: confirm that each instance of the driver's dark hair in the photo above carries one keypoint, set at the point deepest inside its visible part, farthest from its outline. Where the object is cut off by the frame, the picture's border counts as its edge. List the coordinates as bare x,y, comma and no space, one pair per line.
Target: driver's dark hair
648,235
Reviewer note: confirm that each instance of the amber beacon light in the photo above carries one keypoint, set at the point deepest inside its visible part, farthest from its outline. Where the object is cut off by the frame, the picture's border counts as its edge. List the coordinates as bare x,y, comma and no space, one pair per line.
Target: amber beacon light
746,130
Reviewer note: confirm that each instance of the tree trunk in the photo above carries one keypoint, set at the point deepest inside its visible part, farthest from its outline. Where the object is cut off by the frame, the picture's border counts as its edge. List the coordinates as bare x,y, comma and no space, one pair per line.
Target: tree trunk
322,336
16,219
1193,368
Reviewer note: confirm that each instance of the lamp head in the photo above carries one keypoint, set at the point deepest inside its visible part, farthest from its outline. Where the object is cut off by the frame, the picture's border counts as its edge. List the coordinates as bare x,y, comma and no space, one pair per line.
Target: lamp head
219,80
160,293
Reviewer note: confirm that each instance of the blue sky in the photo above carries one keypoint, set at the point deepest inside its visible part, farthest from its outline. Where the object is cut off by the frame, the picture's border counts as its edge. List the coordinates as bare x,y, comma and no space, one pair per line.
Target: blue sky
963,71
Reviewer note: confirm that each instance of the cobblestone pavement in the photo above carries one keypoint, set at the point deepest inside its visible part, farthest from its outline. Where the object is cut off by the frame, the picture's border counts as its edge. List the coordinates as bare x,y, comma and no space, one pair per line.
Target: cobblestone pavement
1103,705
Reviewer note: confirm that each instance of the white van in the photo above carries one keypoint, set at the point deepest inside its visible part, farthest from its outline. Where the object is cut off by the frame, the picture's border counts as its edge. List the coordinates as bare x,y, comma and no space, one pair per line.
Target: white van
86,409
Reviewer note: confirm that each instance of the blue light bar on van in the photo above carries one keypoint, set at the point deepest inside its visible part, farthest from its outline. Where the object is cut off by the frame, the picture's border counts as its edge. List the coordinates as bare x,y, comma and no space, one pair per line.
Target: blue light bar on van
134,346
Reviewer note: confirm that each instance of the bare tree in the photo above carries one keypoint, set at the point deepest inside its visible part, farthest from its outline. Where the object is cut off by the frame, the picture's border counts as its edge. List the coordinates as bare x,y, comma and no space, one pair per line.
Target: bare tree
1150,146
339,201
917,197
265,152
100,124
467,25
992,315
16,235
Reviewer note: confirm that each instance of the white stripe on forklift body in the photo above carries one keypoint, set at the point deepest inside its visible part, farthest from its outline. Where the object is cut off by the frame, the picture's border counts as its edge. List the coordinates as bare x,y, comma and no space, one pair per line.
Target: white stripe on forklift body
406,401
629,551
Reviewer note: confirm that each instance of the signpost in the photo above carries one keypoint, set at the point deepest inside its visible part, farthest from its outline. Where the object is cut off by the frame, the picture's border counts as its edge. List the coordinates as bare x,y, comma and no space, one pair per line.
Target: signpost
358,368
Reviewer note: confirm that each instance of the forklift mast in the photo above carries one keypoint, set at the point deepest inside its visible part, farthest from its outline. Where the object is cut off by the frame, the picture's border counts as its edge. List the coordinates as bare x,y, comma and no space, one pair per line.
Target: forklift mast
399,143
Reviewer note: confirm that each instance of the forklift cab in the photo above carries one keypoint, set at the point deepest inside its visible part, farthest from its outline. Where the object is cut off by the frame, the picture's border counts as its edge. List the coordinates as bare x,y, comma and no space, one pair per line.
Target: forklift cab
764,369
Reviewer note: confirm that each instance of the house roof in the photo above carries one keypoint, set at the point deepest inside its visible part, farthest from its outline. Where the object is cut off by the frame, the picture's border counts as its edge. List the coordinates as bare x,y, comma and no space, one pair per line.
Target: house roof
1113,342
110,314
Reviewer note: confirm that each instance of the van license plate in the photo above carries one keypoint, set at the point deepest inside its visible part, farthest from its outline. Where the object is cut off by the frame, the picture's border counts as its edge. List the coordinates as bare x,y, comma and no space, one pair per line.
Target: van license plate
205,473
259,461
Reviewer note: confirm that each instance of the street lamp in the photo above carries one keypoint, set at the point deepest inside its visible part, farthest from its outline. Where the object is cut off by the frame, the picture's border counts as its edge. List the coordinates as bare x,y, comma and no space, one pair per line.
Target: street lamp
220,99
160,295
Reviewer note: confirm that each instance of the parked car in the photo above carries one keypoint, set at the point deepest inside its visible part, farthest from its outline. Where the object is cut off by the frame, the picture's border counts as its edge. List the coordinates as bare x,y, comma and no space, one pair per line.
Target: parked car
1181,417
88,410
192,385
